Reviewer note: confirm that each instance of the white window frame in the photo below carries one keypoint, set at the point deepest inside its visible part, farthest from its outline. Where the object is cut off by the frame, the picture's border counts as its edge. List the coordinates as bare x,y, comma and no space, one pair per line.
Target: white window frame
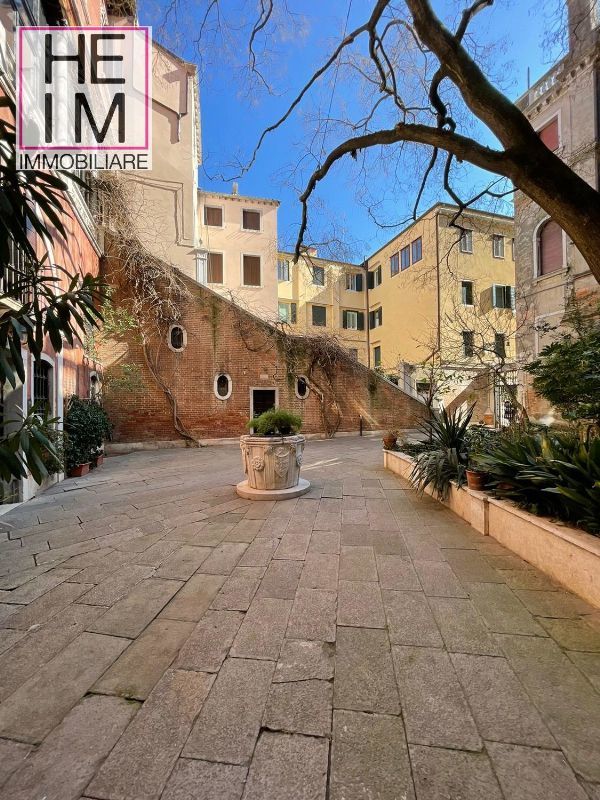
503,286
298,395
288,305
355,313
251,285
466,233
230,386
351,280
184,345
537,275
497,238
472,282
251,230
214,205
317,305
324,271
289,271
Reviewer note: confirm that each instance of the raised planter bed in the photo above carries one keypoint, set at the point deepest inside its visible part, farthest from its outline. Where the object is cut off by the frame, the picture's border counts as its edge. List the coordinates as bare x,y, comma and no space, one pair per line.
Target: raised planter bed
567,555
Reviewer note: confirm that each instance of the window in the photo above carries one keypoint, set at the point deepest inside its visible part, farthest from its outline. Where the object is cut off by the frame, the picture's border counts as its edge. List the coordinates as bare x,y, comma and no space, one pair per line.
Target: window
94,386
353,352
215,268
319,316
223,386
376,318
549,134
467,293
42,384
213,216
423,387
550,248
353,320
283,269
377,356
503,296
500,345
468,338
251,270
405,257
250,220
287,313
498,246
395,264
318,276
354,282
177,338
417,250
301,388
466,241
374,278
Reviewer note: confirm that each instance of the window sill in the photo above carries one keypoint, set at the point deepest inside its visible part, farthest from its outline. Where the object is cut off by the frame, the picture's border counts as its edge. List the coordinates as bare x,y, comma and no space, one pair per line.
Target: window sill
559,272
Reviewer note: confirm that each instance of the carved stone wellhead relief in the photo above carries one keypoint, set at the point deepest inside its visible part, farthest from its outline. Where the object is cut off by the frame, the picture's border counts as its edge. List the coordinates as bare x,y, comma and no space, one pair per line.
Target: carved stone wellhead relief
272,462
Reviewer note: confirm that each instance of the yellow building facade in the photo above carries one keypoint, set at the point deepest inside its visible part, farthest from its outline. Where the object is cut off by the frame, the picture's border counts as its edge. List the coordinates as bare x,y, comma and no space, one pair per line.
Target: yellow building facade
319,296
437,290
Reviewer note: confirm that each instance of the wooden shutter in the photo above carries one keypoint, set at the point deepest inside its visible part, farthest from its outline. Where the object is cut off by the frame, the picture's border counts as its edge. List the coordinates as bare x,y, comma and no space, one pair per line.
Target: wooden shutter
361,321
550,248
213,216
215,268
371,279
359,283
293,313
549,134
251,220
251,270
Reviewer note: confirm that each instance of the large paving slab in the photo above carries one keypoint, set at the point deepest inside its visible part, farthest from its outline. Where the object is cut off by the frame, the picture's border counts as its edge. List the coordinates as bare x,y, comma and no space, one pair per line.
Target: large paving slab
358,642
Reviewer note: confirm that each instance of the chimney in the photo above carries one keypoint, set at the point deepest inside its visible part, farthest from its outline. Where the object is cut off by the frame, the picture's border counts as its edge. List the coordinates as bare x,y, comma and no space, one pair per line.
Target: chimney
234,188
582,16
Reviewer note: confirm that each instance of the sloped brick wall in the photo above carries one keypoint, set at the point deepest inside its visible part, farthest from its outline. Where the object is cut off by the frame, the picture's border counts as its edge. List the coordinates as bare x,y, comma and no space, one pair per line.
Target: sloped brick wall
221,338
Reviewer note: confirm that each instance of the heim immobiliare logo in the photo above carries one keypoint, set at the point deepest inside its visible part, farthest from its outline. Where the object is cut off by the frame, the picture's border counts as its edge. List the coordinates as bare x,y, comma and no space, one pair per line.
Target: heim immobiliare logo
84,98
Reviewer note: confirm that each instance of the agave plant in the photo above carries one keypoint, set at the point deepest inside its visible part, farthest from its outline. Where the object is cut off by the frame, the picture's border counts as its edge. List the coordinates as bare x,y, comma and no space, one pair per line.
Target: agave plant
447,462
549,473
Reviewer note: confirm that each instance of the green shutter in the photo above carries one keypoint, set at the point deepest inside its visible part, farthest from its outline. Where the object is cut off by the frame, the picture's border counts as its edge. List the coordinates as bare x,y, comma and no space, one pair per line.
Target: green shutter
344,319
361,321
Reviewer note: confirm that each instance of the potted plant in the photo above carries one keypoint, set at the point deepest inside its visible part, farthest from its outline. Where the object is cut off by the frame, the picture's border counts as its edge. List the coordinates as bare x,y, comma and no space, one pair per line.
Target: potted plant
390,439
478,440
86,427
475,479
272,455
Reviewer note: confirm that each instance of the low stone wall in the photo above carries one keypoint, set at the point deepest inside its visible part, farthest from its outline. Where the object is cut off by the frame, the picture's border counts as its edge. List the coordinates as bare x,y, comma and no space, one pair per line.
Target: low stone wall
567,555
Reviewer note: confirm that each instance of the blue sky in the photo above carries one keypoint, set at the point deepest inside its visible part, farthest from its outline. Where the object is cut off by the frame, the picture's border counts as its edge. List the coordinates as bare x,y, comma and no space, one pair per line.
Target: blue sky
233,117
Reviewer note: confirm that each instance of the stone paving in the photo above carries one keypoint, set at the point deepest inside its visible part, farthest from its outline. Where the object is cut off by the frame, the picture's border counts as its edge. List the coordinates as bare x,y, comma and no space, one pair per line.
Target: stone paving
162,638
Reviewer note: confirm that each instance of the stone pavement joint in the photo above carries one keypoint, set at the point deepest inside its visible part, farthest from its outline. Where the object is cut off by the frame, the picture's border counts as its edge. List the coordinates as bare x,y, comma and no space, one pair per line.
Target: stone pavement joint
163,639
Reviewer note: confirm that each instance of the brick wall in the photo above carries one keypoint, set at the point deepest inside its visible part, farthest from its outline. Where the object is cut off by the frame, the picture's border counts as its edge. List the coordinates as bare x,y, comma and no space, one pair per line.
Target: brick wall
222,338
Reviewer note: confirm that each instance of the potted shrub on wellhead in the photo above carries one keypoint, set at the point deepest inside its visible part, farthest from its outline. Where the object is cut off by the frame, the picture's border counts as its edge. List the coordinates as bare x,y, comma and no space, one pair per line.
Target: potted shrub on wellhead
272,457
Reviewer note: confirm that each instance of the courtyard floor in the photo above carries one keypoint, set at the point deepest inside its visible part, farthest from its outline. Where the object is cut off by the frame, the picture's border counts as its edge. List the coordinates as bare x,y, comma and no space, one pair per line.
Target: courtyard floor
162,638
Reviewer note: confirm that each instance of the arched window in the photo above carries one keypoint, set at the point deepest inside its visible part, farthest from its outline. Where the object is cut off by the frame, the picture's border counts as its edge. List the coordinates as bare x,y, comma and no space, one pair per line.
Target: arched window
549,248
223,386
43,385
302,388
94,386
177,338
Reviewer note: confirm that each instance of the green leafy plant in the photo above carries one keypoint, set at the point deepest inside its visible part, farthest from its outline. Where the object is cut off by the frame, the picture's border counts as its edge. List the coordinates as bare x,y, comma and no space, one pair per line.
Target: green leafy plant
566,372
447,461
86,426
275,422
549,473
32,447
478,439
44,300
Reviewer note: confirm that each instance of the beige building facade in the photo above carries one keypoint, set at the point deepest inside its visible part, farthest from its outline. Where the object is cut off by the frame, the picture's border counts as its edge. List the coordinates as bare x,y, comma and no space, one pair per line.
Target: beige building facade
320,296
437,291
168,192
238,258
563,107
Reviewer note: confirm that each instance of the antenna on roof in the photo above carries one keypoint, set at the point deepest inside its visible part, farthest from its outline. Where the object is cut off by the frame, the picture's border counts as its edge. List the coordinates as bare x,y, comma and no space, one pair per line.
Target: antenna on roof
234,188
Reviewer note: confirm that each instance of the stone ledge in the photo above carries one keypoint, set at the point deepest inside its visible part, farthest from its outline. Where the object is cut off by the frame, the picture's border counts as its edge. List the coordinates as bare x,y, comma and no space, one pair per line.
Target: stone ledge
249,493
567,555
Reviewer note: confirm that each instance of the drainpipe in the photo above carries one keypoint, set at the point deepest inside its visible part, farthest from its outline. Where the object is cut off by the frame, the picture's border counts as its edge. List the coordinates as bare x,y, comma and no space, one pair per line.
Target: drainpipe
365,266
437,274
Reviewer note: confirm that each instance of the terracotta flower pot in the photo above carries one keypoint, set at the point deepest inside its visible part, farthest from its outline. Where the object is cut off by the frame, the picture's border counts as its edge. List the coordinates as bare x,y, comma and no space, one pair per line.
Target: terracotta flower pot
80,470
475,480
99,459
272,462
389,441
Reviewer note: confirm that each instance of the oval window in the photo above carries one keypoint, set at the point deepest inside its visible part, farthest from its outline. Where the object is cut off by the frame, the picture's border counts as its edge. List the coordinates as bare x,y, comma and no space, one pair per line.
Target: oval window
223,386
177,338
302,388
